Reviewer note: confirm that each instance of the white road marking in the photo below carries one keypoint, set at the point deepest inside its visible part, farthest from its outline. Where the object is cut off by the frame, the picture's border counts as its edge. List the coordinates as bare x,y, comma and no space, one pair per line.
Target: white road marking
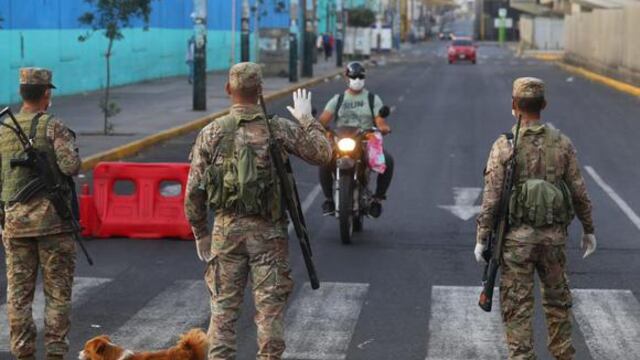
180,307
626,209
460,330
320,323
401,98
610,322
82,286
464,198
307,202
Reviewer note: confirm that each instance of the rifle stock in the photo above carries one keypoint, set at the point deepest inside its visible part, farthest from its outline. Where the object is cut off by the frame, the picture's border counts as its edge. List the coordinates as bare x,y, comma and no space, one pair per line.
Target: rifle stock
292,199
499,231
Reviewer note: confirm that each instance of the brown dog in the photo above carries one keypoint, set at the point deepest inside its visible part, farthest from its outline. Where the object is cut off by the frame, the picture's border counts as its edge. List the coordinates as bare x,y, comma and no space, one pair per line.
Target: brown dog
192,345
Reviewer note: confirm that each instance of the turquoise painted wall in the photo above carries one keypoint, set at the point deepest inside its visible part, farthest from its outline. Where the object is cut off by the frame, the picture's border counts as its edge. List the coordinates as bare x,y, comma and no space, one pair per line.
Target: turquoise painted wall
48,38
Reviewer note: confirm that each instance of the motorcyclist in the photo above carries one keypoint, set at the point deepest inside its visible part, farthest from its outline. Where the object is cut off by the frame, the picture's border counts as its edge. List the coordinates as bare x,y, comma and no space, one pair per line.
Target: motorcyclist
359,108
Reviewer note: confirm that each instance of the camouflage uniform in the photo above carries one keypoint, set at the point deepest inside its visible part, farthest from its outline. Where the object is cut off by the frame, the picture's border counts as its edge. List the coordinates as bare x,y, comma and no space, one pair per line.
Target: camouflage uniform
248,247
529,249
34,236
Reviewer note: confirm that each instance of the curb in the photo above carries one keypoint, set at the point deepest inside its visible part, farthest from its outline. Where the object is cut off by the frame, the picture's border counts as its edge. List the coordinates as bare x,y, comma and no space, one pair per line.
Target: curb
593,76
605,80
132,148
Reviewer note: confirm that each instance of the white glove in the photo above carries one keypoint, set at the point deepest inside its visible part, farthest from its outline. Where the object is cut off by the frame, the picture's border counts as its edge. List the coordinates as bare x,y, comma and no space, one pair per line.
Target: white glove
589,244
301,104
480,248
203,247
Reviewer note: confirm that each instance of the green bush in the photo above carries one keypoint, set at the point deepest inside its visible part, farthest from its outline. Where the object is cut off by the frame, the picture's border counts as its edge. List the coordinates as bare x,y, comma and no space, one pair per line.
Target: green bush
361,17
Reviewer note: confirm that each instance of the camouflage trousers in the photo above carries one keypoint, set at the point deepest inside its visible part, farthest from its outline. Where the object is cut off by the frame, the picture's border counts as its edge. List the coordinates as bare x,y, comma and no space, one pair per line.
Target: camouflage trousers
521,260
238,258
55,255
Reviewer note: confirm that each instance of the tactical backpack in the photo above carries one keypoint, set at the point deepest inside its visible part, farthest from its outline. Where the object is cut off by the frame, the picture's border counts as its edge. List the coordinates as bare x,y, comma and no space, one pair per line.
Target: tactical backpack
371,99
236,182
540,202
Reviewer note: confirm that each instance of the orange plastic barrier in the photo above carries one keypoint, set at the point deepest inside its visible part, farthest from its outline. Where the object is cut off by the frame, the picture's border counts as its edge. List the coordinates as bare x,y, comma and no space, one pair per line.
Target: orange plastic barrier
136,200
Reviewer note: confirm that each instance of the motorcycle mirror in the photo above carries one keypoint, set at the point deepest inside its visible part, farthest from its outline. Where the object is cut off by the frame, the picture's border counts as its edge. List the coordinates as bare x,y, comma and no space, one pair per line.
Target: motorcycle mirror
384,111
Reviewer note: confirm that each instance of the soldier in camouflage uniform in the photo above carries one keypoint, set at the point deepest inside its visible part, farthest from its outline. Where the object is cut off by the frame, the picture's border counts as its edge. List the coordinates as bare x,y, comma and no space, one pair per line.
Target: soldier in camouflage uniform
231,173
34,235
548,190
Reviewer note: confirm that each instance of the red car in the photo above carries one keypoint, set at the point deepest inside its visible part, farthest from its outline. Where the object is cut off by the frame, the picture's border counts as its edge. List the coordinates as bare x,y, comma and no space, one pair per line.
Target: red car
462,49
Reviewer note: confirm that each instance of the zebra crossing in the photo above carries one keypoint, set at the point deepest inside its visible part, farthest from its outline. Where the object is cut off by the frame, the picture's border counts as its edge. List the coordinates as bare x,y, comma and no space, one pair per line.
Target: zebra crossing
320,324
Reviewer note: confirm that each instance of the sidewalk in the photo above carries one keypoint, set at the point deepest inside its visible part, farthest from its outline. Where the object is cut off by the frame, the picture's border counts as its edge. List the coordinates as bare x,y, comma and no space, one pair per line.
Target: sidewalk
150,107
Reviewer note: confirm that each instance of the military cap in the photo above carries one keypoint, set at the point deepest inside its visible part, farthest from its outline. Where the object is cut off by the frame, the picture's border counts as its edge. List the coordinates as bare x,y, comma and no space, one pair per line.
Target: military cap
36,76
528,87
245,75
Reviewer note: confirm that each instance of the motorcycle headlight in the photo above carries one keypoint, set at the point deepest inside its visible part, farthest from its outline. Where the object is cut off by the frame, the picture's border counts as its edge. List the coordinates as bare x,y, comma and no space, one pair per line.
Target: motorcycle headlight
346,144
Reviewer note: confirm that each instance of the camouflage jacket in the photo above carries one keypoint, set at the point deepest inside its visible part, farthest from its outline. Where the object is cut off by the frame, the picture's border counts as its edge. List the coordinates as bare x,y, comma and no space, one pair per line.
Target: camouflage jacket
569,168
38,217
306,140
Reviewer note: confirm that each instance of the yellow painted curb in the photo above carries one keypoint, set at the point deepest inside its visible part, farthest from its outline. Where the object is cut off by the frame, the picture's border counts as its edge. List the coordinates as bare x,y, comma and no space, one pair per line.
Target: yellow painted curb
548,57
613,83
136,146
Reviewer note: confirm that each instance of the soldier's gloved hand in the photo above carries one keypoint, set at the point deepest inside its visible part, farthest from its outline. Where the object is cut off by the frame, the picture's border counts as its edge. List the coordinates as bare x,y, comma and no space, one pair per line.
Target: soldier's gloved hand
480,248
588,244
301,104
203,247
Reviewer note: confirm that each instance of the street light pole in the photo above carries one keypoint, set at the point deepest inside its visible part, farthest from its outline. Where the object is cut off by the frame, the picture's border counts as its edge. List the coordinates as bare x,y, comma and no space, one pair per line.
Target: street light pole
339,32
244,45
200,55
293,42
307,58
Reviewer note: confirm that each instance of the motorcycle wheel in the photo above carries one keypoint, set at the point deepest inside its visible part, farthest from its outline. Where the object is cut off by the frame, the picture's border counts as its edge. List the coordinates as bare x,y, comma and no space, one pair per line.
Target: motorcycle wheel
346,208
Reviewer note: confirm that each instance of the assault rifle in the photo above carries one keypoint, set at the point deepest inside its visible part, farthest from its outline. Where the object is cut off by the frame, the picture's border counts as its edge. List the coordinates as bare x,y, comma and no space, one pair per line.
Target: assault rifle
493,253
43,181
291,198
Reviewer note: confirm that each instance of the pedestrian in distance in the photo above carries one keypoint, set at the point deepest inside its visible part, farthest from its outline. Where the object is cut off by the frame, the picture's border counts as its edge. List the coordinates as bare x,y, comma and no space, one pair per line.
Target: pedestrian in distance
35,236
233,174
548,191
326,43
188,58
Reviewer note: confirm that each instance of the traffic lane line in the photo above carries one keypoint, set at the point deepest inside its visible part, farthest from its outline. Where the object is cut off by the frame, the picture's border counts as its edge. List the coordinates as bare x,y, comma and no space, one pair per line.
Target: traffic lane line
82,287
609,321
181,306
626,209
458,329
320,323
605,80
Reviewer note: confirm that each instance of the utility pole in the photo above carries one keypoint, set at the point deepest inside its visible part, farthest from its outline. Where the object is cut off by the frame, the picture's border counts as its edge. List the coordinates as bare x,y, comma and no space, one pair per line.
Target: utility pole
232,54
307,58
293,42
502,13
200,55
339,32
244,42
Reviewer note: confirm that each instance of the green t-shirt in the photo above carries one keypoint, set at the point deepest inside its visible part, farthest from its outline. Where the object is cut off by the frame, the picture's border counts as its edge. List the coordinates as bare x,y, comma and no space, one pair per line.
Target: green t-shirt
355,110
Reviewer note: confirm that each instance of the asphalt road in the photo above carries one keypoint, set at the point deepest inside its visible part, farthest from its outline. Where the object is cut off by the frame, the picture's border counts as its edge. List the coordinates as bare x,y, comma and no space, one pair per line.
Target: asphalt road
407,287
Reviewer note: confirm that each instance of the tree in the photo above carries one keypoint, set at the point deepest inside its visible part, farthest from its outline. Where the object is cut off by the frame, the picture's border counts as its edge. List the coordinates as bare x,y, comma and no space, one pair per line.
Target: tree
110,17
361,17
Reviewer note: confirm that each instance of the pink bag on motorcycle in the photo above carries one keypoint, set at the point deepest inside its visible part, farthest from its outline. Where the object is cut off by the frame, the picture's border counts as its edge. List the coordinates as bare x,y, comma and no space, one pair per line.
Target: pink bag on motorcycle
375,153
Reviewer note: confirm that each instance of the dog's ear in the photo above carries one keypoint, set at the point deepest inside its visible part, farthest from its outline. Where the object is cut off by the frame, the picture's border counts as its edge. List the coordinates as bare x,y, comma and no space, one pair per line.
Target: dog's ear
100,348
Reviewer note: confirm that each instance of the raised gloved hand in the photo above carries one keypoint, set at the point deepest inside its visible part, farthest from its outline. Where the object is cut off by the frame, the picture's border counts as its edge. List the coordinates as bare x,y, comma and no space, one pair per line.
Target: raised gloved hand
480,248
203,247
301,104
588,244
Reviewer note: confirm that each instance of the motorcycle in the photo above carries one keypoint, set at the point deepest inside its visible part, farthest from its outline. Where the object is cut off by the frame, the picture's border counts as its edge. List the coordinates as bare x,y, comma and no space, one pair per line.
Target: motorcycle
352,196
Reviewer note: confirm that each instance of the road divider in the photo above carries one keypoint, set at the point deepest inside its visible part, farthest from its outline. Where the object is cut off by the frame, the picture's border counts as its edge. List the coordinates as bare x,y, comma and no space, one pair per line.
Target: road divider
136,200
134,147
